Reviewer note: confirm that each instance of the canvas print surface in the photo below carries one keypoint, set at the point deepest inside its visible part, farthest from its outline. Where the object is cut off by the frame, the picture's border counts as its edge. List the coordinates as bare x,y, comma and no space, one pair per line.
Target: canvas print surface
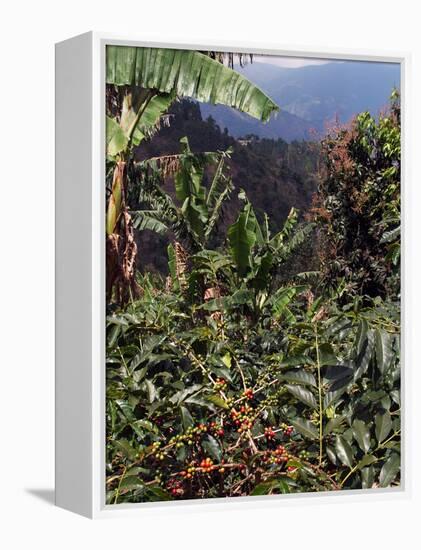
252,275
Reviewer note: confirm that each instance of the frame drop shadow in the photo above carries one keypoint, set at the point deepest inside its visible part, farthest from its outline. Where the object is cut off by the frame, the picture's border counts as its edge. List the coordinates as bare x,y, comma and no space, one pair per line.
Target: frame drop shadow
46,495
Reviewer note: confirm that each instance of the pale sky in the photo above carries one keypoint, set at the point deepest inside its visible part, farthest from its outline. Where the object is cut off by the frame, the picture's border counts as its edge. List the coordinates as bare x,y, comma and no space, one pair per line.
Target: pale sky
289,62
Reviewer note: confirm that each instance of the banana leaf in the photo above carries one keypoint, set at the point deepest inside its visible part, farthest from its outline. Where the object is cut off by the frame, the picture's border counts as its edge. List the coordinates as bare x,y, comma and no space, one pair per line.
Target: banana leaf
241,240
187,73
143,219
118,135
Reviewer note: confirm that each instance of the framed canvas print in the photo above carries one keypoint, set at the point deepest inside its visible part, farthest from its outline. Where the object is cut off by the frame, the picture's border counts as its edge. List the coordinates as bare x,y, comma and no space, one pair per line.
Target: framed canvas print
228,274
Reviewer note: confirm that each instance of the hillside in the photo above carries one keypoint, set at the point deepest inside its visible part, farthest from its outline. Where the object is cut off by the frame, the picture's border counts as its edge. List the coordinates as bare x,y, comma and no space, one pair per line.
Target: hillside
276,175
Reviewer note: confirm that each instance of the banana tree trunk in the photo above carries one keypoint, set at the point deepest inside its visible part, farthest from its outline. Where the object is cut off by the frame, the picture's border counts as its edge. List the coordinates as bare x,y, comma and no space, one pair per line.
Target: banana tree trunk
121,247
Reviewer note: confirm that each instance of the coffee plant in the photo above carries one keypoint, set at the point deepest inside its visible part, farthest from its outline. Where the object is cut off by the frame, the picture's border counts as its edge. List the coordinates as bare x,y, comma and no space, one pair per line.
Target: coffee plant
225,380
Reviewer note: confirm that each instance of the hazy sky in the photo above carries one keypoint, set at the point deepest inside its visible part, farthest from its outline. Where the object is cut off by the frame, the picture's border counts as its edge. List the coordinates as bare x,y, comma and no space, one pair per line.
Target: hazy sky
291,62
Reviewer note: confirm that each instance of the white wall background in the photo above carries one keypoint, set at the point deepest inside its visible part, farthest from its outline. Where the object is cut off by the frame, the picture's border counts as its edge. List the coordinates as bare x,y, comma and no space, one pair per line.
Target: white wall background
28,32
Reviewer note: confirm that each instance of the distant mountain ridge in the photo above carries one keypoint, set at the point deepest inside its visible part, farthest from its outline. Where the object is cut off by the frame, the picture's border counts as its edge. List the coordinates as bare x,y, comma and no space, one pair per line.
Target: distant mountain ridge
310,97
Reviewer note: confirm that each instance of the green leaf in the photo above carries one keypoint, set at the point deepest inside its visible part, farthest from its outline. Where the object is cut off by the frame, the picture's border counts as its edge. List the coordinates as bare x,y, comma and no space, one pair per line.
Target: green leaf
124,446
212,448
364,352
389,470
158,494
252,222
383,423
361,433
143,219
188,179
262,276
305,427
219,183
384,352
300,376
241,242
215,213
284,486
366,461
186,73
339,324
241,297
150,118
217,400
136,470
116,140
126,409
303,395
344,451
296,360
393,253
393,445
327,355
395,395
264,488
281,299
331,455
196,215
389,236
331,397
367,477
295,241
360,337
172,262
184,392
219,191
130,483
227,359
151,389
333,424
143,424
186,418
337,372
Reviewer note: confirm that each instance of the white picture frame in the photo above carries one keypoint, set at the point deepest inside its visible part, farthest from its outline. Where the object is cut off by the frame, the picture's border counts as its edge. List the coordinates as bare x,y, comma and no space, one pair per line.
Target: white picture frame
80,276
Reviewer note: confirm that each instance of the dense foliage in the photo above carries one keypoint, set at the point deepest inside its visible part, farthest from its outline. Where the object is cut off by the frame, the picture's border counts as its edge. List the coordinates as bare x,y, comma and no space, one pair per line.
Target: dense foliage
358,205
276,175
230,377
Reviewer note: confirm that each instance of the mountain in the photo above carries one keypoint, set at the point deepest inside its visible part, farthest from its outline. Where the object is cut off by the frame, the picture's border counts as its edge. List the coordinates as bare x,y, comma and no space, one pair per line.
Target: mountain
283,124
311,96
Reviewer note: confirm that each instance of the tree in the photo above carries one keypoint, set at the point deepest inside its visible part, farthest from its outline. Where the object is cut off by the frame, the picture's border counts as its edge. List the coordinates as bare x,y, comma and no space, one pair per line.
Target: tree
358,205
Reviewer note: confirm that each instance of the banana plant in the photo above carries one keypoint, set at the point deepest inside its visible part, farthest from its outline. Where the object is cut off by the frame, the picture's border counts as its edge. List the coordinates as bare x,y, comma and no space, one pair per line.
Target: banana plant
145,82
247,270
256,253
195,221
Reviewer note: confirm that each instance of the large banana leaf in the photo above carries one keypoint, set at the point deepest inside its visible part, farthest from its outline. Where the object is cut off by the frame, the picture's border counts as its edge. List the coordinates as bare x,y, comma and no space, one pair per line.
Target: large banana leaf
186,73
215,214
252,223
116,139
219,181
157,105
195,214
241,239
118,135
148,219
188,180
